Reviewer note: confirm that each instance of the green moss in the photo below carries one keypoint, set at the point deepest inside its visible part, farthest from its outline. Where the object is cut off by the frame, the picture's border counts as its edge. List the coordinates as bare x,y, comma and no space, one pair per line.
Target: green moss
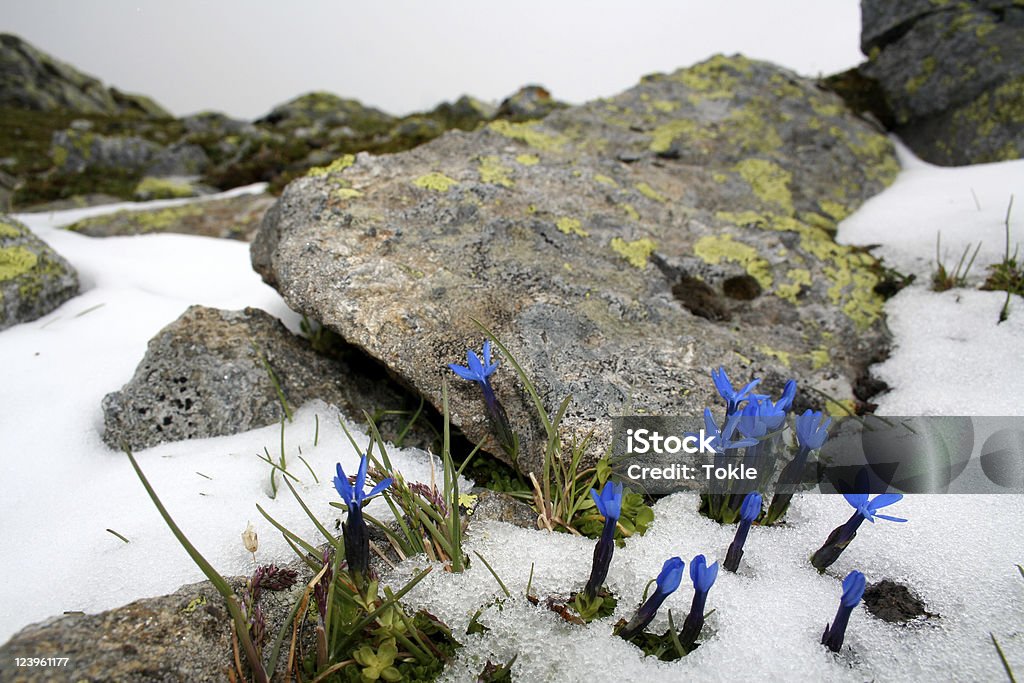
494,173
914,83
162,188
528,159
649,192
336,166
984,29
714,249
769,181
528,133
571,226
16,261
636,252
438,182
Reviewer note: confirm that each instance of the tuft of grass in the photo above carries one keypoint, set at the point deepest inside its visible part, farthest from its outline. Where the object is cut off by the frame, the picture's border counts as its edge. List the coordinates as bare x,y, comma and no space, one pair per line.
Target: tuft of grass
1008,274
943,279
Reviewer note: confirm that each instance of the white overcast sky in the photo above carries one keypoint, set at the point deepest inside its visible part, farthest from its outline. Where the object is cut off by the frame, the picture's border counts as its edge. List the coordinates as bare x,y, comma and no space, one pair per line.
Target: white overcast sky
243,58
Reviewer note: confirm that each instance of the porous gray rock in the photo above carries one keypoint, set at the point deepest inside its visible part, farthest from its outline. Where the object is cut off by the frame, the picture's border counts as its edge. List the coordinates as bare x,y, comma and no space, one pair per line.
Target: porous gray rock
34,279
183,637
204,375
576,239
952,75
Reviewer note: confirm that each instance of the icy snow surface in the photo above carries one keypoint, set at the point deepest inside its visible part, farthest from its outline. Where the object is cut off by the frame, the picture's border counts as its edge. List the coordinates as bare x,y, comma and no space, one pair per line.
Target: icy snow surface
65,487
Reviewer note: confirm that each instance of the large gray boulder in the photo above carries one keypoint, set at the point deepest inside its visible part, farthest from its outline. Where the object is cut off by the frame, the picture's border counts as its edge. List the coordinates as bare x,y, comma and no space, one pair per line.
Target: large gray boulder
32,79
621,249
206,374
34,279
952,75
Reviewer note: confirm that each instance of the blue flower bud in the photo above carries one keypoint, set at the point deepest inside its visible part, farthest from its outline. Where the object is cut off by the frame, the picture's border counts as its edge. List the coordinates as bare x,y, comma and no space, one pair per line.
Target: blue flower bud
853,591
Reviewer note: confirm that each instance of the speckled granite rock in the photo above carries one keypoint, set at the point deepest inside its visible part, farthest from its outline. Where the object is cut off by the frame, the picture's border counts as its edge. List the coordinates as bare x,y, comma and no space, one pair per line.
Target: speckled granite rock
34,279
621,249
203,375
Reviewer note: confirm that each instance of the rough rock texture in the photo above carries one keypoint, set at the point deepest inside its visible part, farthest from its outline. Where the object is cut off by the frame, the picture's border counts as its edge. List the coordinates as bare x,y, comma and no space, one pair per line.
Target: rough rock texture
34,279
184,636
621,249
233,218
326,110
236,218
527,103
203,375
952,74
75,151
32,79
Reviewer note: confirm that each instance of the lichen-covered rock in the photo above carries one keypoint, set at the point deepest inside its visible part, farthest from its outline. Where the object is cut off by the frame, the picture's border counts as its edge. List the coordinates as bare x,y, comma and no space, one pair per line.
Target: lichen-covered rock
952,74
206,374
466,113
183,637
75,151
232,218
32,79
621,249
34,279
325,110
528,103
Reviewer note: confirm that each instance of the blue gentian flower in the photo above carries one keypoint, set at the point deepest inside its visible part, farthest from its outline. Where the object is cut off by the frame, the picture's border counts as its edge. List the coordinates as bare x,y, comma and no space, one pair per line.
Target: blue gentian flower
476,370
788,394
354,532
866,509
480,370
853,591
749,511
811,431
354,494
666,584
733,398
609,501
721,439
609,504
703,578
841,536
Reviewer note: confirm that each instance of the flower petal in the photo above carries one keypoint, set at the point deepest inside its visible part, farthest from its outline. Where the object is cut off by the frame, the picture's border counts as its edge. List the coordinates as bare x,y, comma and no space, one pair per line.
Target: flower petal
463,372
885,500
890,518
381,485
361,480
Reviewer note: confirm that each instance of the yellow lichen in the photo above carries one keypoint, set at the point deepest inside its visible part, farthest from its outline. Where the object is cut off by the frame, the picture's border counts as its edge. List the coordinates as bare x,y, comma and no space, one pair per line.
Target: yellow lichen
494,173
785,357
664,135
631,211
834,209
798,279
7,230
714,249
336,166
528,159
665,106
636,252
820,358
769,181
15,261
347,193
437,182
649,192
605,180
528,133
571,226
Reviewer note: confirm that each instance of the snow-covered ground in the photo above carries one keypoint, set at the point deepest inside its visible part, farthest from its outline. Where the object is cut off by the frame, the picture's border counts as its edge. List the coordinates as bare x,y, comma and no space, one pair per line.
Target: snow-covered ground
65,488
